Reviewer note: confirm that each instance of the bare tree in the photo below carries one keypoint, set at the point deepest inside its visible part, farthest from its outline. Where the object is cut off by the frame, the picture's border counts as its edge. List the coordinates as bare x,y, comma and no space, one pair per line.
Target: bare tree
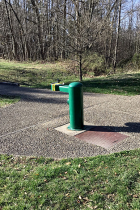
64,29
117,34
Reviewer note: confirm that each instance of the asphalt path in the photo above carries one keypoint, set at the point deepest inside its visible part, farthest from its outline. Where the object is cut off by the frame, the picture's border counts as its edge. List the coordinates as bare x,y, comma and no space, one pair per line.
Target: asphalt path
28,126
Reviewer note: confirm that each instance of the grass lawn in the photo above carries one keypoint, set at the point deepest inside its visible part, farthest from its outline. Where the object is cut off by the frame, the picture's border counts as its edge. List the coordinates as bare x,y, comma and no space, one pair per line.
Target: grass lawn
102,182
34,74
39,75
120,84
7,100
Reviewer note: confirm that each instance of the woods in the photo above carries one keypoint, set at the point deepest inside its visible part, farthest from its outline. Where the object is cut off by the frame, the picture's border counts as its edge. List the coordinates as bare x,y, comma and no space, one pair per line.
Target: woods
70,29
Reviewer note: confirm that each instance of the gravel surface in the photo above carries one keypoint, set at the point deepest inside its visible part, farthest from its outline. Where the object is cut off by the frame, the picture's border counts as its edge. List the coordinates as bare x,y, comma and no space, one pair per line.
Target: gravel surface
28,127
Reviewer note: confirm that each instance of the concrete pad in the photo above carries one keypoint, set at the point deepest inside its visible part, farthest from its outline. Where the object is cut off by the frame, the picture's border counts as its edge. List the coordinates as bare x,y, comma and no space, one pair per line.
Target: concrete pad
64,129
96,135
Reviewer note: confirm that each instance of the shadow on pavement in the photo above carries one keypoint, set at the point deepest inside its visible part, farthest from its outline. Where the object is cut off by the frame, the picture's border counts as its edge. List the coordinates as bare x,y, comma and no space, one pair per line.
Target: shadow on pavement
33,95
130,127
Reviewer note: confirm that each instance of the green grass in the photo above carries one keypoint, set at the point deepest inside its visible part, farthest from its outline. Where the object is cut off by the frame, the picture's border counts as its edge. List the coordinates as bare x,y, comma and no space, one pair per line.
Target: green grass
41,75
120,84
34,74
7,100
102,182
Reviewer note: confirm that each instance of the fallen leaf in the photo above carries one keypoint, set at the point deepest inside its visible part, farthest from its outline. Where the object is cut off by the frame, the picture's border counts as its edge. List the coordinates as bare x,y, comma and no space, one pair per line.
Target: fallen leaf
80,197
79,165
64,178
86,199
68,163
135,196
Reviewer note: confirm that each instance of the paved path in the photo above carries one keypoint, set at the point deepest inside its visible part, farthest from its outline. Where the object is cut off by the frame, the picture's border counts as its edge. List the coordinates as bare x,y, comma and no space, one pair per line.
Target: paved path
28,127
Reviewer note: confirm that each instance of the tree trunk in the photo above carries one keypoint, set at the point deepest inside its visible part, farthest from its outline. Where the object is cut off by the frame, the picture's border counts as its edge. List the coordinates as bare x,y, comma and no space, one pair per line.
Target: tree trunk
64,32
117,37
80,69
39,29
12,33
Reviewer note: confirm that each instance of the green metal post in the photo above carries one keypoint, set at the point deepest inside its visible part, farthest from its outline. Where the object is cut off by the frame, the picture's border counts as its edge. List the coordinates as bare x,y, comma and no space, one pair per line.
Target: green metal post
75,102
76,106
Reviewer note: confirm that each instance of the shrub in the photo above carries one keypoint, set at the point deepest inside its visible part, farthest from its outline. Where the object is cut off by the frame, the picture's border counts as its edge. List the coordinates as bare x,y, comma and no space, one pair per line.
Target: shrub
92,62
136,59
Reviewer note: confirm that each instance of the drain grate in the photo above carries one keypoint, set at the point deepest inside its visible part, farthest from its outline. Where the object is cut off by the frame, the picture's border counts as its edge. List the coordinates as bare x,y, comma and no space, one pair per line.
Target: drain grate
101,137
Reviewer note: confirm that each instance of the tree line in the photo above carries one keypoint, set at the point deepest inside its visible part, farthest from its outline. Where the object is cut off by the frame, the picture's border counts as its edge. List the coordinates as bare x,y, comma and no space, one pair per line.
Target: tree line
69,29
